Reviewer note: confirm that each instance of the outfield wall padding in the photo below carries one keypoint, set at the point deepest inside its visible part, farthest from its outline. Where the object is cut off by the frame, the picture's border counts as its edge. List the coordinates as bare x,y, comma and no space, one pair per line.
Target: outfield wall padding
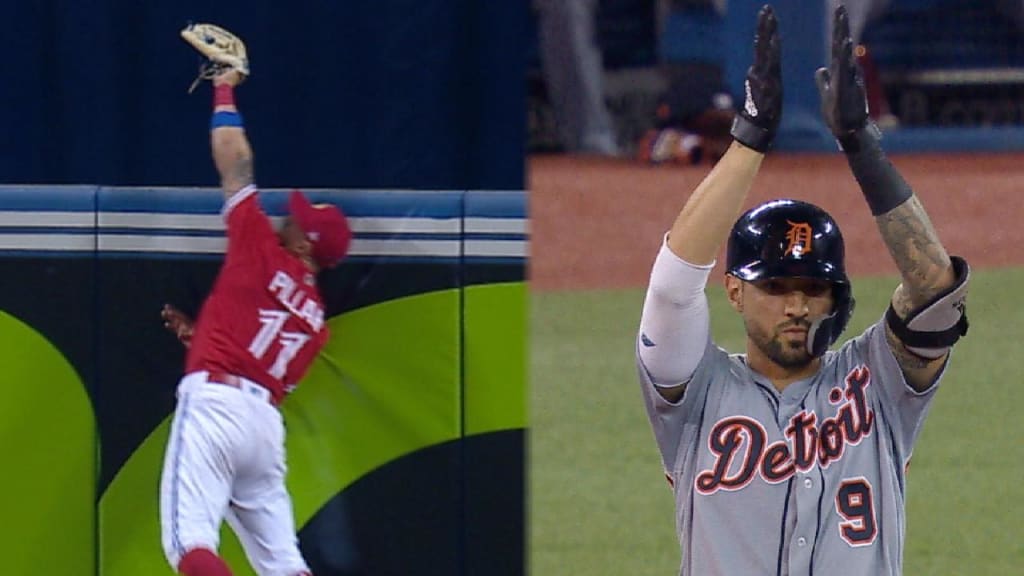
406,438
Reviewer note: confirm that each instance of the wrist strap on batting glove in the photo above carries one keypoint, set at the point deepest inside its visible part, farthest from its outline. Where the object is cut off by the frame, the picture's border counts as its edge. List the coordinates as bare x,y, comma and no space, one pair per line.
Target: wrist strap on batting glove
751,135
882,185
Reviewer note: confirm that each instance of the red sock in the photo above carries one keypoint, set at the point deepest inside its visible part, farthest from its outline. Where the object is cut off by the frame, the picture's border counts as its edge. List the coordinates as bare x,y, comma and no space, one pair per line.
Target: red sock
202,562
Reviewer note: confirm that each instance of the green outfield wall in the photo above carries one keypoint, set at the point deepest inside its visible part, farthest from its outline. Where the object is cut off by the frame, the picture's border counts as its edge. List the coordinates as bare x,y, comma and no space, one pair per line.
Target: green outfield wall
405,440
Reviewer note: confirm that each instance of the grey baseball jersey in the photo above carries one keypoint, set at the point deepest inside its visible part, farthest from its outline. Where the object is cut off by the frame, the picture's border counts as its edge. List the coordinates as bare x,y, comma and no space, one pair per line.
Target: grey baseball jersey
811,480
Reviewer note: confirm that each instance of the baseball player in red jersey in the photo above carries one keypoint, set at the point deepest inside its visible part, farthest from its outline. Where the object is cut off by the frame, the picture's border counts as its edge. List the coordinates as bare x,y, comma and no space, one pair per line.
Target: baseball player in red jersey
255,337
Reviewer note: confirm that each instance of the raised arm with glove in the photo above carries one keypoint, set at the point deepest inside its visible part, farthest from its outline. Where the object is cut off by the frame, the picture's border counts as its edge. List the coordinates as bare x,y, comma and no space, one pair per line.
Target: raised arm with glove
704,222
927,314
675,310
223,51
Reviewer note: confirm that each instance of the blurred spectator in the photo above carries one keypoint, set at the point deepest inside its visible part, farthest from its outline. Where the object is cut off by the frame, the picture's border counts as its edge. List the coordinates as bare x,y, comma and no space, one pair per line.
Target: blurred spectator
574,75
693,116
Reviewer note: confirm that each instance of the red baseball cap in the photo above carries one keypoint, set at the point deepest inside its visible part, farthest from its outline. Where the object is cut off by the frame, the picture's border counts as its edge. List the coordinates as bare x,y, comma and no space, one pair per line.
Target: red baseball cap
326,227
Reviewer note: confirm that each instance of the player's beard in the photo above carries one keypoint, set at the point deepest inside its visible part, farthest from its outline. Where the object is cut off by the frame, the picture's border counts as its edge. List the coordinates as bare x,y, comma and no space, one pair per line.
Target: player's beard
780,348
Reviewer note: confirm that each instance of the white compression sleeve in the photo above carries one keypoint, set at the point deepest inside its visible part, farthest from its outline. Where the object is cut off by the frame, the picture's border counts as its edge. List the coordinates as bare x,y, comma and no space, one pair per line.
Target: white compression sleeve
675,324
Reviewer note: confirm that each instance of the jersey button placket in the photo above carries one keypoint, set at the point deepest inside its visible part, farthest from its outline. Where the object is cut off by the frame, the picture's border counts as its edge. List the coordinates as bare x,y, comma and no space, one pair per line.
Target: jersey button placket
806,524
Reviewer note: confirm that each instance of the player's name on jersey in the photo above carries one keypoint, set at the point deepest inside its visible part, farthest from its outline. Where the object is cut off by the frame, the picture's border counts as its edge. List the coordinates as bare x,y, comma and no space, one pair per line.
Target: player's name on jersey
296,300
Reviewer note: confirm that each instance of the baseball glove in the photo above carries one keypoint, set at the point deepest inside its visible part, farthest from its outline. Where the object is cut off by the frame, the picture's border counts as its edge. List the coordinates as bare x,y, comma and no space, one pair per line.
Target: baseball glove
222,49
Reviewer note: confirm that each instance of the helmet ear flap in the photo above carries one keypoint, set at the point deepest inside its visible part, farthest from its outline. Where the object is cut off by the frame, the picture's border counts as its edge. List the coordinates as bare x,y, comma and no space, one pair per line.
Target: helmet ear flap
819,335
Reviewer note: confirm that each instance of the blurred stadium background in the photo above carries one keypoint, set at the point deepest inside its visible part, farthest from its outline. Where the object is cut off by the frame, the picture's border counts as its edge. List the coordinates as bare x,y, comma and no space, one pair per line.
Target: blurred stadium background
954,65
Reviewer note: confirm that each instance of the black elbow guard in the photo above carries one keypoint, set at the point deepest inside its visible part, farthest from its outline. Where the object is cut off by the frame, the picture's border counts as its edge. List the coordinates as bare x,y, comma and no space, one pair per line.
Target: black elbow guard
932,329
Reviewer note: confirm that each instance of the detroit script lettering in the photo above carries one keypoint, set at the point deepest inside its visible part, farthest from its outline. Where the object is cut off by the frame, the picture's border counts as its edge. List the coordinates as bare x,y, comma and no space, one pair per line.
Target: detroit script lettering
739,438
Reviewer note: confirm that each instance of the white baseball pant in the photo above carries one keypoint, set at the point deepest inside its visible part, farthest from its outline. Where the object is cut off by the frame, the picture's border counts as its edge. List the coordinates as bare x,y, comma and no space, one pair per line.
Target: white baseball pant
225,460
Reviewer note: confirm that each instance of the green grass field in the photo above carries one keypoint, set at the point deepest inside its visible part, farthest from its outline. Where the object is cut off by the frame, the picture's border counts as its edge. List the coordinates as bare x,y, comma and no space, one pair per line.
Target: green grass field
599,504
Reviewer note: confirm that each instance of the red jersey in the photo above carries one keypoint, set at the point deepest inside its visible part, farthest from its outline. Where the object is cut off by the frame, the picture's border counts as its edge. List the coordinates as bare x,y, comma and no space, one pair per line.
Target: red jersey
264,319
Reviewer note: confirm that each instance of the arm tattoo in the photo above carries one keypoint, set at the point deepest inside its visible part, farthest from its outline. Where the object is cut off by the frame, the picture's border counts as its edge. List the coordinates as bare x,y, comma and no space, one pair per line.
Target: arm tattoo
907,360
922,261
920,373
242,169
926,271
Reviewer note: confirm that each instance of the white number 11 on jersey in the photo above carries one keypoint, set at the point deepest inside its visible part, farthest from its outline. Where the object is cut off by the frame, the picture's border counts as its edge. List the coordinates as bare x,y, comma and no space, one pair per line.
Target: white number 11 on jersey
291,342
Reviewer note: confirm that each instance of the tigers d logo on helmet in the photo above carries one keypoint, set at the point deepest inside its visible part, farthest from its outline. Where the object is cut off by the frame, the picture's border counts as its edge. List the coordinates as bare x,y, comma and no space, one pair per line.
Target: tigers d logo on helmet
800,237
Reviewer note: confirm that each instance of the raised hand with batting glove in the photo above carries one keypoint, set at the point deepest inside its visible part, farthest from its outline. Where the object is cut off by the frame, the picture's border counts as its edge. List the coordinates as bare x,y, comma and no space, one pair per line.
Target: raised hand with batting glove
757,122
844,103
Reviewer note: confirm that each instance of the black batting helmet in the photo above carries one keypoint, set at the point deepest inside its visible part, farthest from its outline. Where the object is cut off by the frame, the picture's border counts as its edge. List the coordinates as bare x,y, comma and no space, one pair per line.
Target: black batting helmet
794,239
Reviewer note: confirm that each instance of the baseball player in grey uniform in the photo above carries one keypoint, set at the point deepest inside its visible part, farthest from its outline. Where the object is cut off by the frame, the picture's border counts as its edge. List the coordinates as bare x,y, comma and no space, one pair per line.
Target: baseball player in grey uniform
791,459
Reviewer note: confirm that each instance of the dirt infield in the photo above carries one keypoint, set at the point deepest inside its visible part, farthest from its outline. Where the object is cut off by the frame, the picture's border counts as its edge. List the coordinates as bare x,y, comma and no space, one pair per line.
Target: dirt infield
597,222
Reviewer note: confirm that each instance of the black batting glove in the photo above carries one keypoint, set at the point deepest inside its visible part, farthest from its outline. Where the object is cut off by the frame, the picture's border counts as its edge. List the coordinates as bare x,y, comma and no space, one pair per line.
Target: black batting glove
844,103
758,121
